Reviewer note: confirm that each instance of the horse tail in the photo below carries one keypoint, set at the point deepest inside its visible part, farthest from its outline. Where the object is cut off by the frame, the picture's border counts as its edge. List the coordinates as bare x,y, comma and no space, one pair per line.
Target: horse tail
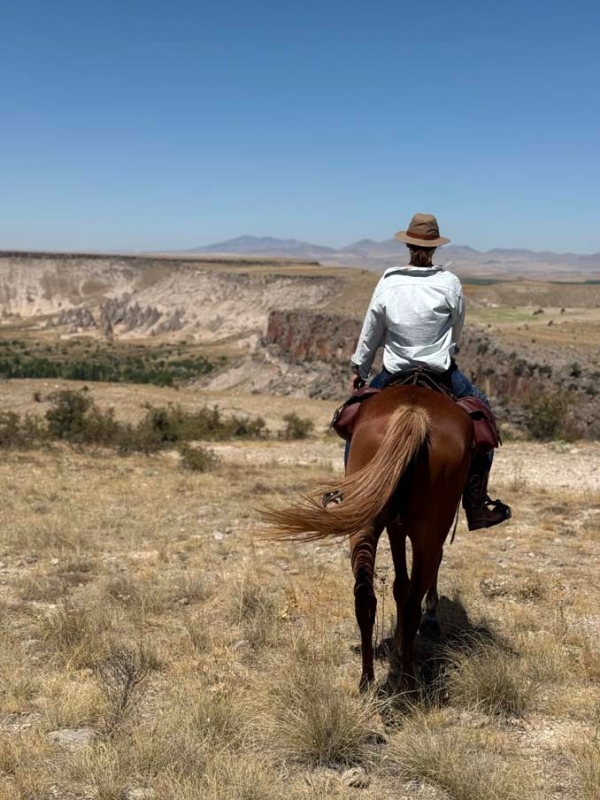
365,492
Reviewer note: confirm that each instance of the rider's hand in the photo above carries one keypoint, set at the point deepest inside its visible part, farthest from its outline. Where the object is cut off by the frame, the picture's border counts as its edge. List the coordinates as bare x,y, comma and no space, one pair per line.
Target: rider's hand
356,383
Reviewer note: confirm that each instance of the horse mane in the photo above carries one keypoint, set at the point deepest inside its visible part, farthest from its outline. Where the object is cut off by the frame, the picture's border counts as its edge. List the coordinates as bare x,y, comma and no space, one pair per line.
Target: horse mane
365,492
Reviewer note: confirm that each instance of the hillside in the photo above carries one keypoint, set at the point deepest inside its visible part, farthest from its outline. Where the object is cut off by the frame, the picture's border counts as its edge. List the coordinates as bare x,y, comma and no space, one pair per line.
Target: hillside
377,256
129,297
279,327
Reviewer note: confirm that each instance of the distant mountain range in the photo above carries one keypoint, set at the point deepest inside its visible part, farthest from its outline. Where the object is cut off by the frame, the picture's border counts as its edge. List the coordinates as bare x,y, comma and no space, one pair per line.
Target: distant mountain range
378,256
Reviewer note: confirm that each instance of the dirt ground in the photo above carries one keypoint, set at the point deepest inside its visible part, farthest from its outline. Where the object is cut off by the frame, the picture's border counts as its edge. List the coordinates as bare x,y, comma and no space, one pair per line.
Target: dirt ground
156,648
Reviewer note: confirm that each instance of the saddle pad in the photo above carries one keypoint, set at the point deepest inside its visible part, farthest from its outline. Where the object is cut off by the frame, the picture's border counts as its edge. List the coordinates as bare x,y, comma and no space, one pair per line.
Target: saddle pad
486,436
344,417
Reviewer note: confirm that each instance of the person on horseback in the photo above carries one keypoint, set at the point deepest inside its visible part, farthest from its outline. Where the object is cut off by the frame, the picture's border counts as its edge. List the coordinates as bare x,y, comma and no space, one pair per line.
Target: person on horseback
417,314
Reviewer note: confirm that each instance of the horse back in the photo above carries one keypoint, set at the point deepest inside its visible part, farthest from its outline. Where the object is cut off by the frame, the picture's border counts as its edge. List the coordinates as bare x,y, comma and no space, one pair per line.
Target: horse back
443,463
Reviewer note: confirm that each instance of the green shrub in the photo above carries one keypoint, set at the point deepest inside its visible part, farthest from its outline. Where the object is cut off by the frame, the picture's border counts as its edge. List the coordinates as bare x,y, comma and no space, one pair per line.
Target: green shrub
546,416
75,417
20,432
172,424
296,427
197,459
103,366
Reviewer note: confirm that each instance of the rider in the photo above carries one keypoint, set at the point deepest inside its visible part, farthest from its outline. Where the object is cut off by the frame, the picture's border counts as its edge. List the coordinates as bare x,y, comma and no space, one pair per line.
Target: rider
417,313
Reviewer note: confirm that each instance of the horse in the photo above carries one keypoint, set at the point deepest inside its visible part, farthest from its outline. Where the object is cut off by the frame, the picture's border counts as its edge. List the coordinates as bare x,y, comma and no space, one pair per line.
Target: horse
407,467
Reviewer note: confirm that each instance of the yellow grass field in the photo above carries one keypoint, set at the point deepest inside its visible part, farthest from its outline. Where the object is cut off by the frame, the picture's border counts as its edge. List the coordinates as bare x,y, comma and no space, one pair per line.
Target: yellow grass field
154,647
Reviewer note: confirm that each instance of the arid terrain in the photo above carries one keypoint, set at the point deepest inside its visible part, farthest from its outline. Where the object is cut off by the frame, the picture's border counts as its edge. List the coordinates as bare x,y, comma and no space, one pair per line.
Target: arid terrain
119,569
285,328
157,648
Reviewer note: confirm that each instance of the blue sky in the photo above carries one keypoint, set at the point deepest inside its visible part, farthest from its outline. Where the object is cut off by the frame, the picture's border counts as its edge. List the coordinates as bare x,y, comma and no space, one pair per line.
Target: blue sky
141,124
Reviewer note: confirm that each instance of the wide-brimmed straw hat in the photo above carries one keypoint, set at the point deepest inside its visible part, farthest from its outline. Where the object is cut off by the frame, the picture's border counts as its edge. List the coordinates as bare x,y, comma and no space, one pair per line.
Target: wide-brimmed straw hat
423,231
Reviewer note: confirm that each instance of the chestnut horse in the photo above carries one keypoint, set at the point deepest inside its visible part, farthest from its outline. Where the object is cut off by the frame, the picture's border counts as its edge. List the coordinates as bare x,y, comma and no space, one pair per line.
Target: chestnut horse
406,471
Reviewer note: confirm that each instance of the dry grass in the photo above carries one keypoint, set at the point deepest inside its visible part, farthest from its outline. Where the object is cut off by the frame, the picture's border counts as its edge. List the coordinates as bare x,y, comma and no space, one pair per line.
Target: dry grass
585,757
312,719
492,680
136,601
460,762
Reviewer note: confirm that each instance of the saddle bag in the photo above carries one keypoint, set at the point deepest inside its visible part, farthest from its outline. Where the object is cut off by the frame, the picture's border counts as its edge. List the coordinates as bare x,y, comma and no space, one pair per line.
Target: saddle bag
344,417
486,436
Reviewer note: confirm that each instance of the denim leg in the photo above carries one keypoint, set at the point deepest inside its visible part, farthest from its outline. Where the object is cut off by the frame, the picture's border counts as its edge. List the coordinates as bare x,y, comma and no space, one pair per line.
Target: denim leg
381,380
462,387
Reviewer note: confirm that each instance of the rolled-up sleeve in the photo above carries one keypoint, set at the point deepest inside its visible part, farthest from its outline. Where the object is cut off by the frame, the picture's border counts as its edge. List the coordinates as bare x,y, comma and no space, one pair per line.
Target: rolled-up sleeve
371,336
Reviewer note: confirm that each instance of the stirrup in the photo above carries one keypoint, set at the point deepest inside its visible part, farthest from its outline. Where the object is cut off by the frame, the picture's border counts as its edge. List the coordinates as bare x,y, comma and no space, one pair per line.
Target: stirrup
333,498
498,506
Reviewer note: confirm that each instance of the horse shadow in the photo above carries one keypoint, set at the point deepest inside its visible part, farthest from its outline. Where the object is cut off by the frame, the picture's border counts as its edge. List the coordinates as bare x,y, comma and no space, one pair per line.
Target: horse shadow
440,639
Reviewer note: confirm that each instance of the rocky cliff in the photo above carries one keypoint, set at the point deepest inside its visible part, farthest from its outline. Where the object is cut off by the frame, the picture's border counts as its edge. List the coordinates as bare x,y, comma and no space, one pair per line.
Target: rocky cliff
512,376
129,297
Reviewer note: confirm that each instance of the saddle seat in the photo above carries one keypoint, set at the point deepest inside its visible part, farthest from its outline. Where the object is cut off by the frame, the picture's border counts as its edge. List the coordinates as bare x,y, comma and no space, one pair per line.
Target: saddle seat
481,510
486,436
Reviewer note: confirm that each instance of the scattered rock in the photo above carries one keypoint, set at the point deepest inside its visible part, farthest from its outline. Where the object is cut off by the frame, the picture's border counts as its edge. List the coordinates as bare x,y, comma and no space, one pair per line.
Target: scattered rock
491,588
18,722
218,536
73,738
356,778
139,794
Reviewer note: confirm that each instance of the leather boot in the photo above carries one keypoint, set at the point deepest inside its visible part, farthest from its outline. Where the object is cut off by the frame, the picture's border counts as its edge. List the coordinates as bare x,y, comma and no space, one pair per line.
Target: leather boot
481,511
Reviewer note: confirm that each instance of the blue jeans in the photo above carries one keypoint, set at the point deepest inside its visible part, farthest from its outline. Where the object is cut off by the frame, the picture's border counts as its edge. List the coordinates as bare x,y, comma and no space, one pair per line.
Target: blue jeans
461,387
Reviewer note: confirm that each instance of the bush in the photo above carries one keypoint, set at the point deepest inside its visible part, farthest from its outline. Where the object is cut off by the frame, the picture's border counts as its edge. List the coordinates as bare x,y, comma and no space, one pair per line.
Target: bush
197,459
546,416
455,761
172,424
296,427
75,417
102,366
317,722
16,431
492,680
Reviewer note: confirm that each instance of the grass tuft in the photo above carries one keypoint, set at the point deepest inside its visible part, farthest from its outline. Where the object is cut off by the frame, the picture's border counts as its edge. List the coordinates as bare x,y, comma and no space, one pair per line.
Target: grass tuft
585,757
492,680
455,761
315,721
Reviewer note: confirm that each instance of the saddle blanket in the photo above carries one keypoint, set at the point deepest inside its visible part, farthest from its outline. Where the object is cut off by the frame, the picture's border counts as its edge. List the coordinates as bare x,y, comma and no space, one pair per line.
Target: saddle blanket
486,436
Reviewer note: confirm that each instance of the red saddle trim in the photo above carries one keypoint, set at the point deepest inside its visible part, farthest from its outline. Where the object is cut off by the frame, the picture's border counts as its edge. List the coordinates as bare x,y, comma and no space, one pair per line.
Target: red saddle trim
486,436
344,417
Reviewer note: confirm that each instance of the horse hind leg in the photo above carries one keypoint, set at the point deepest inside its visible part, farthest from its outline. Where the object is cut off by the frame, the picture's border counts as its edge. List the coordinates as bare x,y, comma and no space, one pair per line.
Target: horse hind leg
363,551
424,569
397,537
430,626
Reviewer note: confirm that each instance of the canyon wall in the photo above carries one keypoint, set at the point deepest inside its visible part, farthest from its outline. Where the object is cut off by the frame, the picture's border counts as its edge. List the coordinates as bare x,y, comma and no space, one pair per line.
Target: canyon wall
512,376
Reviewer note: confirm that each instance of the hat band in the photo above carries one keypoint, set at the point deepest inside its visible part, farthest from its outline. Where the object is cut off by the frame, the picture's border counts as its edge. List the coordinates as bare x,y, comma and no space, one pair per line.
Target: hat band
425,236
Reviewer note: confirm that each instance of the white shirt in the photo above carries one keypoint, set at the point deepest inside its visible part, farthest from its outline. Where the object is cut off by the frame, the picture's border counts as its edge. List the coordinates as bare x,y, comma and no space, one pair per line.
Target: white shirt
417,314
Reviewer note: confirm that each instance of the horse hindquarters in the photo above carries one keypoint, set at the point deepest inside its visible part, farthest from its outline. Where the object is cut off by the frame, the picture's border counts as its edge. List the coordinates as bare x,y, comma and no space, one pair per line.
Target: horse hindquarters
431,499
405,435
